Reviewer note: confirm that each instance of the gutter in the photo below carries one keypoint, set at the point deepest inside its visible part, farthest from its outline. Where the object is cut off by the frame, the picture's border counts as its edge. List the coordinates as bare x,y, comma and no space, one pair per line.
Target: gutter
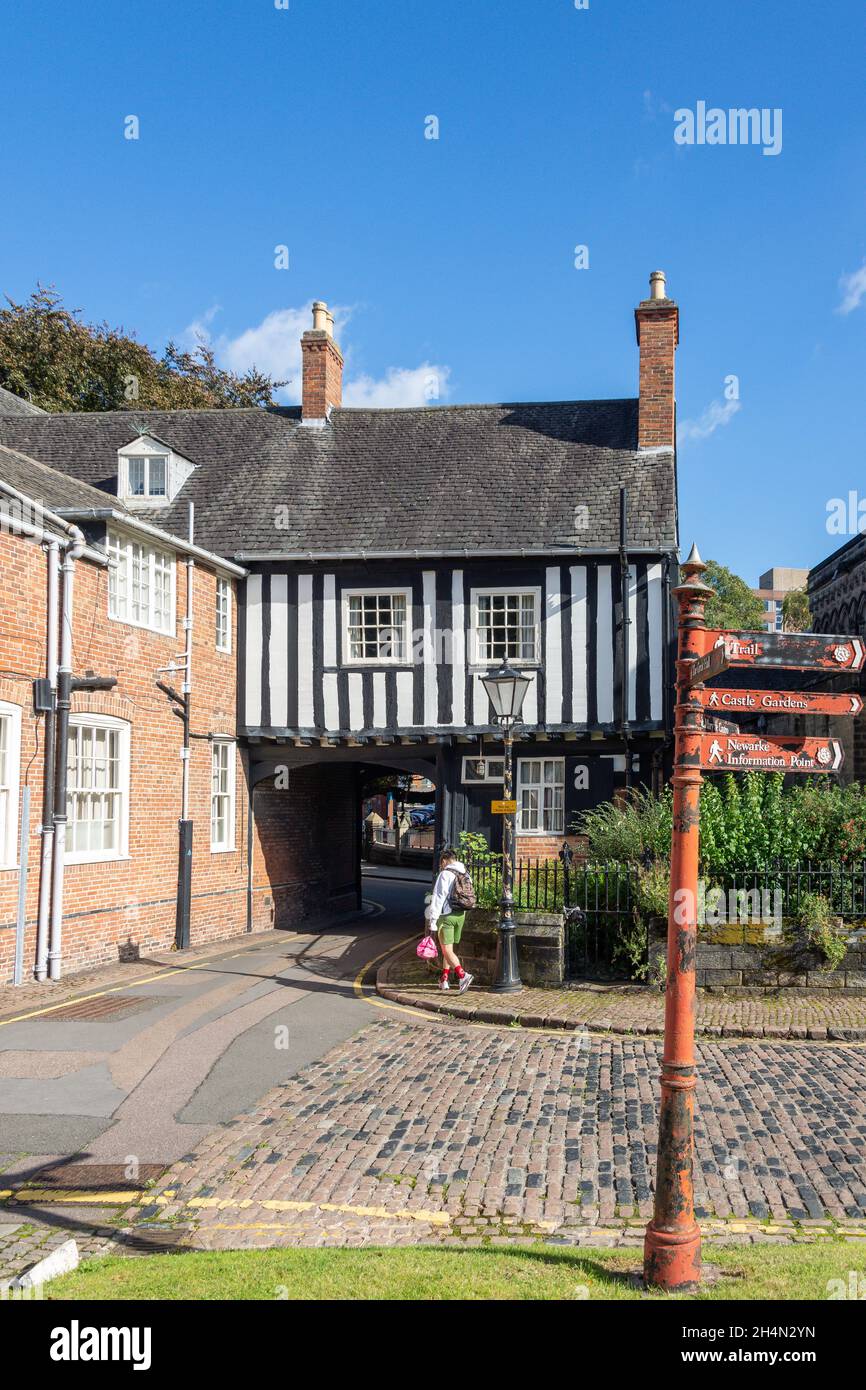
512,552
185,547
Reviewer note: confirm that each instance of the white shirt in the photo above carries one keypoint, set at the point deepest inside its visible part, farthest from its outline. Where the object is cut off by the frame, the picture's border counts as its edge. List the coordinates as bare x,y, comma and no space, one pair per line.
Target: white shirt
439,905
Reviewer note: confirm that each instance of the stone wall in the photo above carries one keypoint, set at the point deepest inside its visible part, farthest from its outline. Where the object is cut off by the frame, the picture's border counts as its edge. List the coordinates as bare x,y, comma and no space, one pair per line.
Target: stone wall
764,957
540,946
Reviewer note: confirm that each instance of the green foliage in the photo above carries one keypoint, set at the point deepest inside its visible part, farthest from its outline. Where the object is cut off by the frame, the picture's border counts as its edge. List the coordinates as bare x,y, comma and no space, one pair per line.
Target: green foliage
51,357
748,821
651,889
822,929
485,867
733,604
795,612
626,830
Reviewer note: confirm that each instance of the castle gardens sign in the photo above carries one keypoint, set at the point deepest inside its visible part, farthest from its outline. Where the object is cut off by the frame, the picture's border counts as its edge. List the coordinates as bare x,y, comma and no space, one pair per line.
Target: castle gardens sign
779,702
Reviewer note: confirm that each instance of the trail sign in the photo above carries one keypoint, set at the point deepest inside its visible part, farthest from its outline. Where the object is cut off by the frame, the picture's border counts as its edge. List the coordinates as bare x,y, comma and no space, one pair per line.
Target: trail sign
755,752
721,726
802,651
778,702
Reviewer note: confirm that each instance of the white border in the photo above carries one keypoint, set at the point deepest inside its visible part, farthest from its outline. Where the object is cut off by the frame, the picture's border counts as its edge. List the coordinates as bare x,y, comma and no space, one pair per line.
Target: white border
229,612
345,595
534,758
484,663
9,845
105,721
222,739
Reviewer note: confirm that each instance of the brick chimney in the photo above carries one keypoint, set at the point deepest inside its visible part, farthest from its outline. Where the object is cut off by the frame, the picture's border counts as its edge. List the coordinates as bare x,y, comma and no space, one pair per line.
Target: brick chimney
322,376
657,322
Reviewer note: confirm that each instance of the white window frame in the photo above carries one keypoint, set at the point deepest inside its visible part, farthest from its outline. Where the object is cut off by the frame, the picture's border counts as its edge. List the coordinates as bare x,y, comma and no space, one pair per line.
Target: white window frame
122,727
542,828
147,459
11,716
490,774
393,592
532,591
228,845
224,586
124,542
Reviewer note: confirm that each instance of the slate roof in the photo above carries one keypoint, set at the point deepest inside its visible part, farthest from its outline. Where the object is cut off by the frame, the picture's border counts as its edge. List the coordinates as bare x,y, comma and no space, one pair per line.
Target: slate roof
442,478
16,405
54,490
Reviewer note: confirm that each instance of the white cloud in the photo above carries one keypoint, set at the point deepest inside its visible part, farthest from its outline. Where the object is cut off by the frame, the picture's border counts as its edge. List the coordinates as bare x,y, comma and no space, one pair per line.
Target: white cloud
274,347
712,419
853,289
400,386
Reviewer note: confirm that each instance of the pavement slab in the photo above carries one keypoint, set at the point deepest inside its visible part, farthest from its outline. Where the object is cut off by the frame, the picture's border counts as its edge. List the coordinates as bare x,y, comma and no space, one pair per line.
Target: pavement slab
631,1009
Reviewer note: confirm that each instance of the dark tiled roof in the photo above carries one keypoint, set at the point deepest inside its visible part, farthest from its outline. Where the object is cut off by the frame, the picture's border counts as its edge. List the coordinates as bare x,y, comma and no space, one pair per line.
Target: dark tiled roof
54,490
16,405
488,477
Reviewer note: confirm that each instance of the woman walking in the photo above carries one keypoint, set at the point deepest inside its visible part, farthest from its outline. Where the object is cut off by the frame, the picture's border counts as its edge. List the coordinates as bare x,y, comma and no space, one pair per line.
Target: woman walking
452,894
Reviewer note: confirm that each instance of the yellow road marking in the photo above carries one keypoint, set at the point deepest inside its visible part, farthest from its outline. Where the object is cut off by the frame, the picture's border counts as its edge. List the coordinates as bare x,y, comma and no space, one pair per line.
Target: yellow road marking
118,989
24,1196
433,1218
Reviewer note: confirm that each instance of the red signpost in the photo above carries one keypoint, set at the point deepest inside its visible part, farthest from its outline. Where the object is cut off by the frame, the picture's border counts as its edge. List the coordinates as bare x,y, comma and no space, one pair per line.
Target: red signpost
778,702
672,1248
757,753
796,651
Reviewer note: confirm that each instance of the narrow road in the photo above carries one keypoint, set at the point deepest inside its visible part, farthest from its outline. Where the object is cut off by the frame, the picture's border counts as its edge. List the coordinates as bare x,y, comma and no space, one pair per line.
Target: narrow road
155,1066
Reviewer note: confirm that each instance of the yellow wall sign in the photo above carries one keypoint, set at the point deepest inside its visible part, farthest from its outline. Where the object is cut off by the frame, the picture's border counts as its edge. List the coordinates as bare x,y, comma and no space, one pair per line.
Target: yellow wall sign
503,808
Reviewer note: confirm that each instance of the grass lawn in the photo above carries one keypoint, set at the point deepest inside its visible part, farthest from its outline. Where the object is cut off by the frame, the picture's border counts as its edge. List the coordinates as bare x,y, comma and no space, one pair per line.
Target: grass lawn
450,1272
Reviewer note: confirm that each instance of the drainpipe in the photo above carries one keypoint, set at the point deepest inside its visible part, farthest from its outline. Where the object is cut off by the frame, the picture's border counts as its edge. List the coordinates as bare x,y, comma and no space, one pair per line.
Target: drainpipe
64,691
47,856
626,623
183,913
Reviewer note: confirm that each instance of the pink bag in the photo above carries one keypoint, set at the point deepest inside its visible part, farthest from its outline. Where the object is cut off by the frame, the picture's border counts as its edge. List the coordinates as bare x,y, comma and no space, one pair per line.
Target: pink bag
427,948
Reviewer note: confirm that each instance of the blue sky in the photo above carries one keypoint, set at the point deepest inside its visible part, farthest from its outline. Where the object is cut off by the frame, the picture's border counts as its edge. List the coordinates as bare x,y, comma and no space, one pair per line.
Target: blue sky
305,127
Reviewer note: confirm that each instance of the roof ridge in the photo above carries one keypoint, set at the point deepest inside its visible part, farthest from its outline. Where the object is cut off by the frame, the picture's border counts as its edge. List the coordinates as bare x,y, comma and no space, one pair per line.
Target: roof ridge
475,405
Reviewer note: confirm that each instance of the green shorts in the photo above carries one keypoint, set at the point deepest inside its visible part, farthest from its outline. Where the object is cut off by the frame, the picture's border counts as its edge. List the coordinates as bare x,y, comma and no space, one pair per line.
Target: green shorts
451,927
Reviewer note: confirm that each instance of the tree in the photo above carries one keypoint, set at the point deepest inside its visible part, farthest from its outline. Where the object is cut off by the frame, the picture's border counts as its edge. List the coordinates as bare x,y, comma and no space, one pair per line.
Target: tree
733,604
795,612
50,356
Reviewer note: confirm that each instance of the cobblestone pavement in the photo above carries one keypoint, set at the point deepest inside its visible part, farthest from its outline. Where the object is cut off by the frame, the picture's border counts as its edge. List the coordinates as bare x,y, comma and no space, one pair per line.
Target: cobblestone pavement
413,1132
634,1009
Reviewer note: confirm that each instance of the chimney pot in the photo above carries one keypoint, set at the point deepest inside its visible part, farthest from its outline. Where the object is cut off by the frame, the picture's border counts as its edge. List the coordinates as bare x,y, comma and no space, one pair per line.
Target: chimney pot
322,364
657,321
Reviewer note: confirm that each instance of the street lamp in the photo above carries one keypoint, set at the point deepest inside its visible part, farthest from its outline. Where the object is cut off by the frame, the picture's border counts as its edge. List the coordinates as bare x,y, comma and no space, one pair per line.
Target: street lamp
507,689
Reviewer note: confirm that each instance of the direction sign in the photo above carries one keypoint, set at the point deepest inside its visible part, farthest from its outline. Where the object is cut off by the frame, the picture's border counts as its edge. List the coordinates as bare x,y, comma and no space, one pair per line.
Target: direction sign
753,752
778,702
802,651
721,726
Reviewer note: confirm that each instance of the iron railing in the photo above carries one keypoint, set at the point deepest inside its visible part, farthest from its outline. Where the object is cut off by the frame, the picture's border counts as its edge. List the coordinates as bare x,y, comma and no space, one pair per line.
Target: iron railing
607,934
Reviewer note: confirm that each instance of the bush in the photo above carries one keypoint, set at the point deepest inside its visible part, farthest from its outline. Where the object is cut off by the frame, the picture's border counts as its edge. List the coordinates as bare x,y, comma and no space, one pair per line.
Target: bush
626,831
822,930
748,820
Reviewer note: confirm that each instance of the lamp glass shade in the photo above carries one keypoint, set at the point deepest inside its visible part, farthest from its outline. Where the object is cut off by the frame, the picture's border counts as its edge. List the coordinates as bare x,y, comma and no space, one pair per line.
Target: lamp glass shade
507,690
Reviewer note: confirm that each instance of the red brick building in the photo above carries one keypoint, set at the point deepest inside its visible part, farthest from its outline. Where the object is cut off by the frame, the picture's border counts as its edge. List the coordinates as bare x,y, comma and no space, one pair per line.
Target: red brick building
119,885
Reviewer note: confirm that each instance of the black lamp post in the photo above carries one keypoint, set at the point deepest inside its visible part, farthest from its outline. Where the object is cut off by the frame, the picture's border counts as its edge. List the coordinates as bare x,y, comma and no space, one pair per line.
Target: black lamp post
507,690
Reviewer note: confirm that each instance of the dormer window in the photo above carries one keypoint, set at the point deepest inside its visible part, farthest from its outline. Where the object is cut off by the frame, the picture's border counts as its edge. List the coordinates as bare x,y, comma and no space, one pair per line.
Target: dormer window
150,473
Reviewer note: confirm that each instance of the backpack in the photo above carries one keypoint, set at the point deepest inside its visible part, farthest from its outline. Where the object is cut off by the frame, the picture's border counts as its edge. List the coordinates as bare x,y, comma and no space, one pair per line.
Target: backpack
462,895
